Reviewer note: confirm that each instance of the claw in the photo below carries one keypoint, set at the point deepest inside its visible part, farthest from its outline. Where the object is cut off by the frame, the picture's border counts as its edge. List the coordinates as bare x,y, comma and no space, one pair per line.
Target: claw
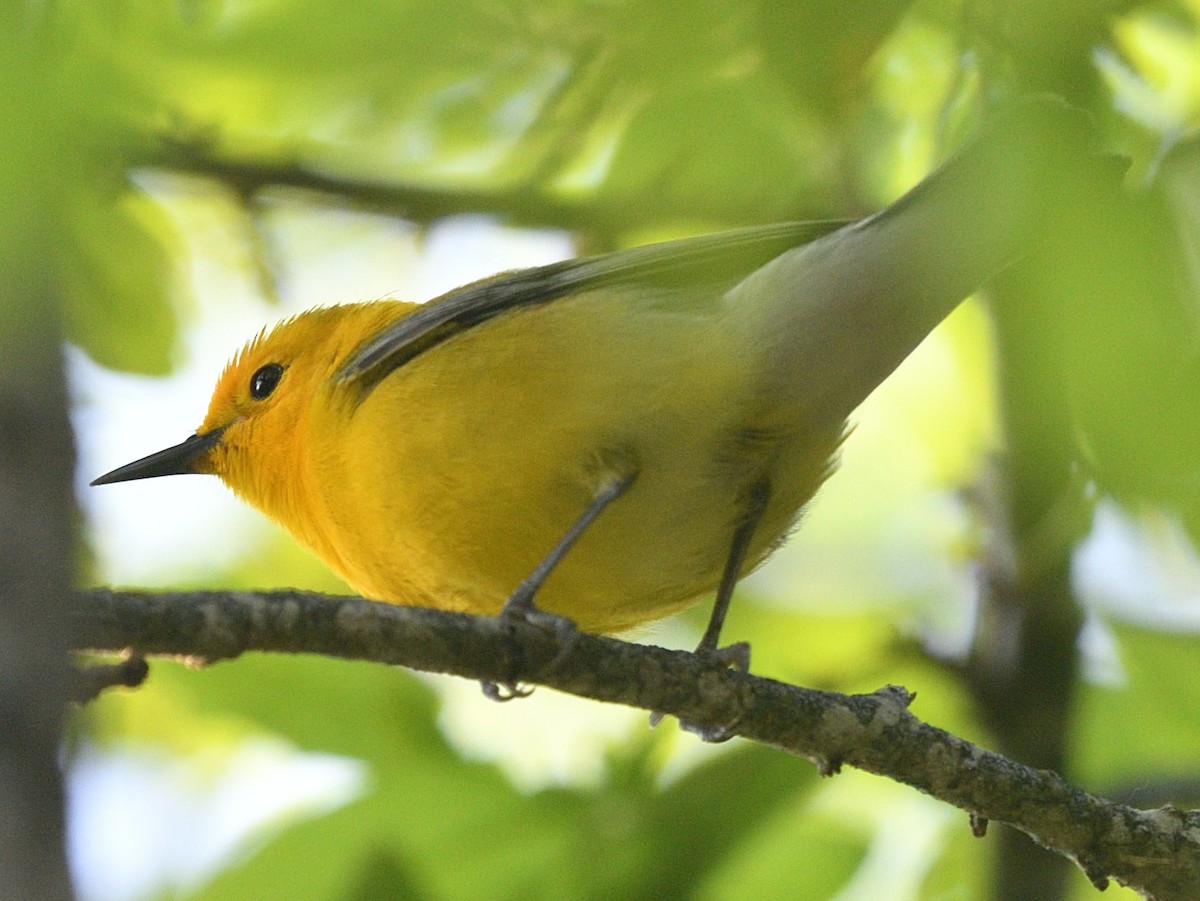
561,627
712,735
520,608
733,656
502,692
520,605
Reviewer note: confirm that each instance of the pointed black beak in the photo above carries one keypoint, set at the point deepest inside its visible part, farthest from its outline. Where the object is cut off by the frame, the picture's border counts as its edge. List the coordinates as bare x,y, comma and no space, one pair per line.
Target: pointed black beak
173,461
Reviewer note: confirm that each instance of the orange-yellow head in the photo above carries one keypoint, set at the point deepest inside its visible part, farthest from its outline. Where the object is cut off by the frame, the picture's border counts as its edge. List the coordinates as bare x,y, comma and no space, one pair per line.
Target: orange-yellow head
259,414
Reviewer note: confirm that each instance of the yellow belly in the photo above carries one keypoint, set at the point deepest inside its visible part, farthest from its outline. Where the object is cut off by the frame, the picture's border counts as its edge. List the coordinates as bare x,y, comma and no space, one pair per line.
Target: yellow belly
466,465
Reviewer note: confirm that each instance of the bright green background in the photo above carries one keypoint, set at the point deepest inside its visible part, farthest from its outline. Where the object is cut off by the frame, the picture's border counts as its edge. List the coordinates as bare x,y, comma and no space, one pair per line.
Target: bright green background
624,121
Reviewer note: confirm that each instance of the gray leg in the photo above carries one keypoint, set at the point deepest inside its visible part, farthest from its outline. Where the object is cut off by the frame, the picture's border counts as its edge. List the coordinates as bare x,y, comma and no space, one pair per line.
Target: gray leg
739,654
520,603
736,655
520,606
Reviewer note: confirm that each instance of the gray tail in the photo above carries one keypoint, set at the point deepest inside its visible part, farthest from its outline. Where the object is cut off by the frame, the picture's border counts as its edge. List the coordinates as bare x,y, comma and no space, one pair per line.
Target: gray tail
836,316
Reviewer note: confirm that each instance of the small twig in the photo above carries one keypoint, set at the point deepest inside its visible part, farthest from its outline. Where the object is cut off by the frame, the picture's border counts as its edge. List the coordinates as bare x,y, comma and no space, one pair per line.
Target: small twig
249,178
519,203
89,680
979,825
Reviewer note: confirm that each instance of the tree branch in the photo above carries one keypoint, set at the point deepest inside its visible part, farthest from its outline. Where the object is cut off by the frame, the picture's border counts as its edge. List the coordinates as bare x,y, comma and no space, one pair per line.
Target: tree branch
518,204
525,204
1156,851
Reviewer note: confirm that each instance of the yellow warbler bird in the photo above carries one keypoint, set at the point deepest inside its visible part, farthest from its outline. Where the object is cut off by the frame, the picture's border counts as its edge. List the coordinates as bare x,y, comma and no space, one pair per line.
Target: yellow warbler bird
612,436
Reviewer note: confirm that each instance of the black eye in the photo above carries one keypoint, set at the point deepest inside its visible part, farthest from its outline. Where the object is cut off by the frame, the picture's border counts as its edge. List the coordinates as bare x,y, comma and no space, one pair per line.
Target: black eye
263,382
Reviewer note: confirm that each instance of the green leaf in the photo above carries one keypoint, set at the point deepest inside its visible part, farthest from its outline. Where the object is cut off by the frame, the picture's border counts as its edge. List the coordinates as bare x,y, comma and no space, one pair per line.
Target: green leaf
384,877
118,280
1143,731
961,868
426,806
724,150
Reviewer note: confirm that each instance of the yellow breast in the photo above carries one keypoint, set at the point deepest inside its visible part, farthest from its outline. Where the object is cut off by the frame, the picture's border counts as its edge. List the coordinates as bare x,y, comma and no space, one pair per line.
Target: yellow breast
458,472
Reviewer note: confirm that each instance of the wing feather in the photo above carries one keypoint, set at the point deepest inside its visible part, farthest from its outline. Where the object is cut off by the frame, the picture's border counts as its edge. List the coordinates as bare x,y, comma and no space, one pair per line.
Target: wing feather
709,261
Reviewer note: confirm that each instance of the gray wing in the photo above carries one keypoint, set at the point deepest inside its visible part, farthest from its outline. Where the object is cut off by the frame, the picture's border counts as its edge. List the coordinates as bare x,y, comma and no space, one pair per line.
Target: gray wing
715,261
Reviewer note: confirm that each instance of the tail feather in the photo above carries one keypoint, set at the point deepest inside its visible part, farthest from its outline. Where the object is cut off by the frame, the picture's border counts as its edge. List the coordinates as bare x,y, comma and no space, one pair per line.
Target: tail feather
838,315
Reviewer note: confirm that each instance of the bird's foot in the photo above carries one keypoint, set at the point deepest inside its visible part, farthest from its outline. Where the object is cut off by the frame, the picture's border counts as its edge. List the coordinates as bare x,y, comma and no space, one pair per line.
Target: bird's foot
733,656
520,609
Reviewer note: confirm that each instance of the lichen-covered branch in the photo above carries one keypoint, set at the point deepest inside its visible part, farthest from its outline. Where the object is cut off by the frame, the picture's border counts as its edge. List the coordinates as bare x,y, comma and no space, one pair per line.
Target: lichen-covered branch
1154,851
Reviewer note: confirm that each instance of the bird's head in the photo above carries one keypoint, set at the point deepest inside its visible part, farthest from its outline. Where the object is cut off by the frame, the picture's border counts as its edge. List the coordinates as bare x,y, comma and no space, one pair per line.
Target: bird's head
260,413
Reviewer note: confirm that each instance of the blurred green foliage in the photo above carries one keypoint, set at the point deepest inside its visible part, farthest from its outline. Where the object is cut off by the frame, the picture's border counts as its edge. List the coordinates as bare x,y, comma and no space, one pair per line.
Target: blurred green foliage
621,120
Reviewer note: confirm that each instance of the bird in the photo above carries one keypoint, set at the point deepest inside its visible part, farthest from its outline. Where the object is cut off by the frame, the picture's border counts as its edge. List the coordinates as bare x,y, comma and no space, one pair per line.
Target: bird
606,440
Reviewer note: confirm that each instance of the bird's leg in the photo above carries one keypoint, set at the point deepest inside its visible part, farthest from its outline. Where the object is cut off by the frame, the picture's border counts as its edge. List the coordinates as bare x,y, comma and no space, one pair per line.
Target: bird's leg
520,605
738,654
